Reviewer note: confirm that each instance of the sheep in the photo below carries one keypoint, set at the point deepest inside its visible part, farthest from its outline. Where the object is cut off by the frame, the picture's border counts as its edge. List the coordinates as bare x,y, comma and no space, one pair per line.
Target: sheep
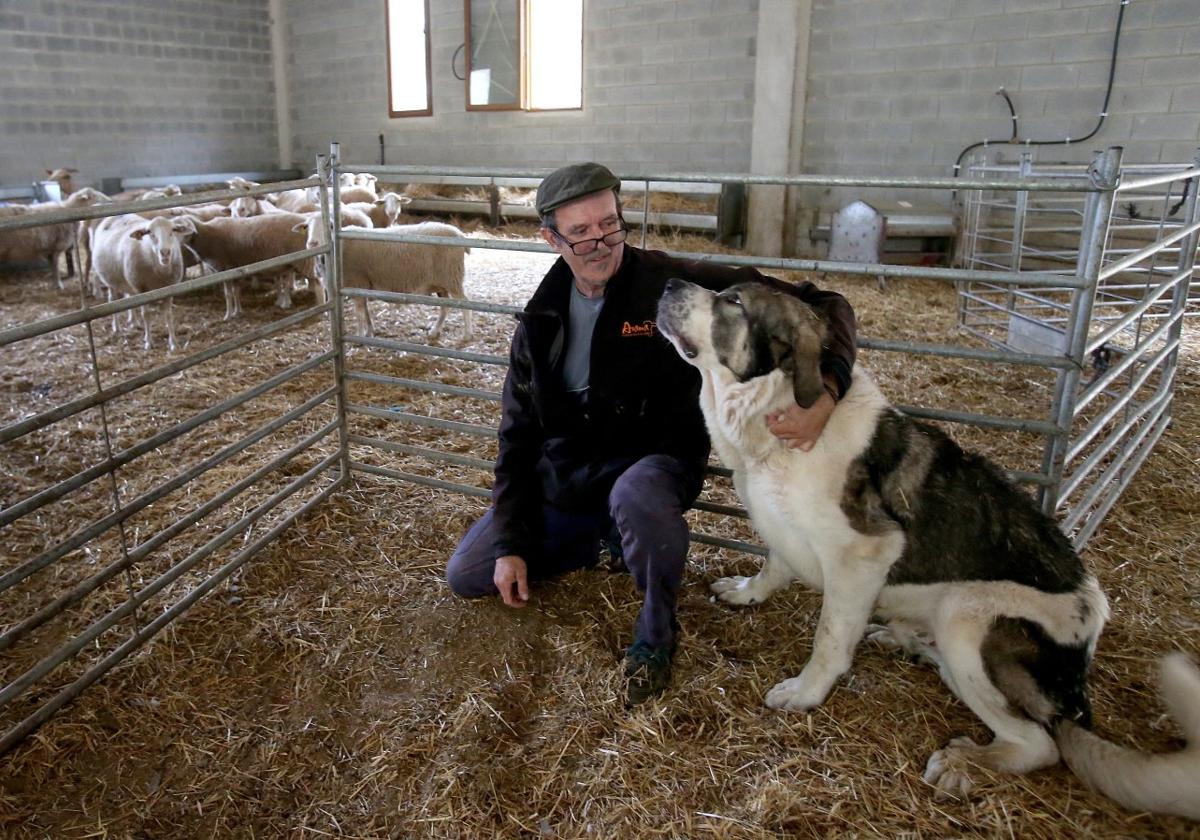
134,255
294,201
247,206
384,211
400,267
62,177
46,241
347,195
230,243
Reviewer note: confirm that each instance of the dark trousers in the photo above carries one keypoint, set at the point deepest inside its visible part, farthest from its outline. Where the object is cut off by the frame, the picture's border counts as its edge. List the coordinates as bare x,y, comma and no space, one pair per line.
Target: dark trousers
646,503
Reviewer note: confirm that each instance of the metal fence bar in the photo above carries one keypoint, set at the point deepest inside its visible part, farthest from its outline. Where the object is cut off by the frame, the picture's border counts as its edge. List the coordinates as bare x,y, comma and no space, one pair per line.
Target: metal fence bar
1065,184
424,349
1150,250
70,692
424,452
1031,278
1154,406
430,300
327,168
422,385
100,310
997,357
1156,180
1113,490
61,489
465,489
1105,417
734,545
114,616
1098,385
421,420
1137,310
128,208
89,585
1091,253
45,418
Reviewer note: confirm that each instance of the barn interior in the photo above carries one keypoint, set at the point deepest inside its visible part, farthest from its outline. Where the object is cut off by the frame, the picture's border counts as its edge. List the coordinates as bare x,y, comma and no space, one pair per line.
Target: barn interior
227,503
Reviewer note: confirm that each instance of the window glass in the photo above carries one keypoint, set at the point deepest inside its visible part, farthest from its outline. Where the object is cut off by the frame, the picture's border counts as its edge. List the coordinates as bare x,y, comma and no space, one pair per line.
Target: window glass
555,54
408,58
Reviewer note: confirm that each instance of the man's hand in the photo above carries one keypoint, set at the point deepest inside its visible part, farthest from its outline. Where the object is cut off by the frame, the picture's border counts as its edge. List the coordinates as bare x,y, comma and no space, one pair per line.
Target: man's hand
511,578
799,427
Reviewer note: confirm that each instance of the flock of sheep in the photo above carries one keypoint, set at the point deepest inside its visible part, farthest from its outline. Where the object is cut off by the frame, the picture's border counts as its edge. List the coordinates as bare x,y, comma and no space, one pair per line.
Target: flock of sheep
135,252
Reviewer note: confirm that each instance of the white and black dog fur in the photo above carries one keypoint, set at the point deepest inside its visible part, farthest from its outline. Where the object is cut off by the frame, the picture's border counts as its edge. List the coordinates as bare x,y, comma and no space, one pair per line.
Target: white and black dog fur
889,517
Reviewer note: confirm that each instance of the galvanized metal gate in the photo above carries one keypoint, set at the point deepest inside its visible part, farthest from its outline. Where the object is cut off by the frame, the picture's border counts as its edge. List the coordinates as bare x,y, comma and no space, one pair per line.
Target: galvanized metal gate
42,671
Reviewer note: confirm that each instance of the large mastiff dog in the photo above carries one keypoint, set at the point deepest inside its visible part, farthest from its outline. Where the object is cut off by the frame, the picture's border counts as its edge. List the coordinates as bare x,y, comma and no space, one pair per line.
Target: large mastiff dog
889,517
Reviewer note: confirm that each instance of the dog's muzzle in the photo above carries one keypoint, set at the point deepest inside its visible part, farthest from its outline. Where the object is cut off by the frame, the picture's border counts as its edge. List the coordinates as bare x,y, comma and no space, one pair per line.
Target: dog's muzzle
672,312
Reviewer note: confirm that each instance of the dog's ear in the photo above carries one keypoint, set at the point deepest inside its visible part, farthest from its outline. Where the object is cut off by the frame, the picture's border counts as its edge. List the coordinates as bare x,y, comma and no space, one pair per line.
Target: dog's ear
796,343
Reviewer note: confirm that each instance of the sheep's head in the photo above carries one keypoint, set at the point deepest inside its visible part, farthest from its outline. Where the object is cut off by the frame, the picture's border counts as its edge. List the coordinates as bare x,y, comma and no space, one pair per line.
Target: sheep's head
237,182
393,203
166,237
244,207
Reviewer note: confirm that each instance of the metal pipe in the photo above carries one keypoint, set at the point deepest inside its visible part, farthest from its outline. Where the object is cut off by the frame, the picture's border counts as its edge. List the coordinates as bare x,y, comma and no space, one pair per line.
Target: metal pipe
45,418
425,349
1136,311
1071,184
74,689
114,616
1158,411
1150,250
422,385
996,357
1105,417
423,452
1156,180
422,420
57,491
1114,490
1032,278
1098,211
90,584
91,313
331,212
1101,383
127,208
433,300
1152,407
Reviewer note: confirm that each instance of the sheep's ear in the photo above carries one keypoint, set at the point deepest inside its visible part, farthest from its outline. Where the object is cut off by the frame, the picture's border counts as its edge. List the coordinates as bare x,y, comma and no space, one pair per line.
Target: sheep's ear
300,226
72,170
405,200
49,171
139,233
379,201
185,224
225,211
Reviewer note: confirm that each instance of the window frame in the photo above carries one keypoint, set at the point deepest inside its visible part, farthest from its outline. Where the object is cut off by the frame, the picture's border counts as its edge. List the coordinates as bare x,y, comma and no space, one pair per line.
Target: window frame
427,111
523,69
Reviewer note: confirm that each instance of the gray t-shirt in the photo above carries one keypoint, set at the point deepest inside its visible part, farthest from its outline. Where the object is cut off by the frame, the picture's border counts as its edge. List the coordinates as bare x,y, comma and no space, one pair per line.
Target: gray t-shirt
581,322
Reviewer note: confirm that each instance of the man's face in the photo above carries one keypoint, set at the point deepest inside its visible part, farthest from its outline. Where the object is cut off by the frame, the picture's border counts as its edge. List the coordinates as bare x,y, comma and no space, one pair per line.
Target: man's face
589,217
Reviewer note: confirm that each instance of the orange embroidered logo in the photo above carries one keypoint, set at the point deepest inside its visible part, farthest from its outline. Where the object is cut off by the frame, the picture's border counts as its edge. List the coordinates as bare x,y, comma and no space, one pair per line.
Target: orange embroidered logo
645,328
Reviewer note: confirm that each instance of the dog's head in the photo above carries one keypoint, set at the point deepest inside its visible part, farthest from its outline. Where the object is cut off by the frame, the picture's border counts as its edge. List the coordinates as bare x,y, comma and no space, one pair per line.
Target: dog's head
749,329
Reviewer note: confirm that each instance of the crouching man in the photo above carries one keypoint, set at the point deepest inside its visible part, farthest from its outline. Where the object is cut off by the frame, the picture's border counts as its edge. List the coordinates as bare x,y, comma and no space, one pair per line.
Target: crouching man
601,436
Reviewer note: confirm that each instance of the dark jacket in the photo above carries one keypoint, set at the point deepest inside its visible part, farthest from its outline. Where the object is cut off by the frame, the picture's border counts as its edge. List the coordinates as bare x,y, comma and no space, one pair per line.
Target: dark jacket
643,398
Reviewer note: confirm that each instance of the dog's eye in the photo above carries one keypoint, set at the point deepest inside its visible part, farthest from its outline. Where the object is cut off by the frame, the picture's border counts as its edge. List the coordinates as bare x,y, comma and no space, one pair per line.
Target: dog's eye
734,299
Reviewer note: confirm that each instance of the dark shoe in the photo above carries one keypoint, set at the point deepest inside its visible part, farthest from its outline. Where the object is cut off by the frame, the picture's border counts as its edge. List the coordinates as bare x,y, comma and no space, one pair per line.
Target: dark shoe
648,670
612,556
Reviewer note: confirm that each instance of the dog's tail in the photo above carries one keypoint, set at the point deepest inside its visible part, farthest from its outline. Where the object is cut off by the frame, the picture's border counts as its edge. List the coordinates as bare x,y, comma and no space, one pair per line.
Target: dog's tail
1168,783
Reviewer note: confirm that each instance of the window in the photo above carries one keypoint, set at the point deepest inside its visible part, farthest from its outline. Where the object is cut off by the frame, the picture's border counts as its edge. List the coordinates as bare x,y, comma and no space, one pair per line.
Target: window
407,23
524,55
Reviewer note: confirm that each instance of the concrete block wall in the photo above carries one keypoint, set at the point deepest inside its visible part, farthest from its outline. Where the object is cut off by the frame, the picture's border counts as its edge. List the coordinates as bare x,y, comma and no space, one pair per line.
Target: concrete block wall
902,86
668,86
134,88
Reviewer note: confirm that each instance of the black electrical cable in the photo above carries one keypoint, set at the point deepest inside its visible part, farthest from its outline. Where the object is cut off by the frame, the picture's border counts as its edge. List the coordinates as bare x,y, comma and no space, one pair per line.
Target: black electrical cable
1015,139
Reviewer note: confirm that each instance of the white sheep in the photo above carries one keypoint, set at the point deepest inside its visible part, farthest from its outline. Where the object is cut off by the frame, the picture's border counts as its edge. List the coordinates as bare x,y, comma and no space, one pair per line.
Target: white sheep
231,243
45,241
383,212
400,267
62,176
294,201
133,255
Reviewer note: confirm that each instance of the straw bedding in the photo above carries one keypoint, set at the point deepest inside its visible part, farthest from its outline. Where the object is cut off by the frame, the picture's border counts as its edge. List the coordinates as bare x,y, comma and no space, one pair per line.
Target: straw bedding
336,687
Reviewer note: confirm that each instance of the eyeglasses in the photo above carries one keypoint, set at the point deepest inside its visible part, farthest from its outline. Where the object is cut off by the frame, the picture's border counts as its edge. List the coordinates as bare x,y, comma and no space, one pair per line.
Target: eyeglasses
586,246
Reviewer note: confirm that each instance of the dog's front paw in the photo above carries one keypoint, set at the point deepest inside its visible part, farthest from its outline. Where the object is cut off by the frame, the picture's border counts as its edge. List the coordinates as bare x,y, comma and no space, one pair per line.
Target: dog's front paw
798,694
948,769
736,590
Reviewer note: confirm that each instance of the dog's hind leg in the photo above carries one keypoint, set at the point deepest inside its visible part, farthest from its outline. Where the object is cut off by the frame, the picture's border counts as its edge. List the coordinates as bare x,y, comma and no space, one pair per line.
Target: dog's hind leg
774,575
1020,745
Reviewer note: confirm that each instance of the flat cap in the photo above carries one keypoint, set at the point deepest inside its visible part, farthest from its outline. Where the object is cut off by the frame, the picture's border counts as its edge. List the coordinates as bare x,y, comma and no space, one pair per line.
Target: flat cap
572,182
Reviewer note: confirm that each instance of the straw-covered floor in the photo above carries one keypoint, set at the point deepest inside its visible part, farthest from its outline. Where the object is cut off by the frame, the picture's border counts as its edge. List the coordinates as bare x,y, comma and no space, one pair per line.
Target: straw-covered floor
338,689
